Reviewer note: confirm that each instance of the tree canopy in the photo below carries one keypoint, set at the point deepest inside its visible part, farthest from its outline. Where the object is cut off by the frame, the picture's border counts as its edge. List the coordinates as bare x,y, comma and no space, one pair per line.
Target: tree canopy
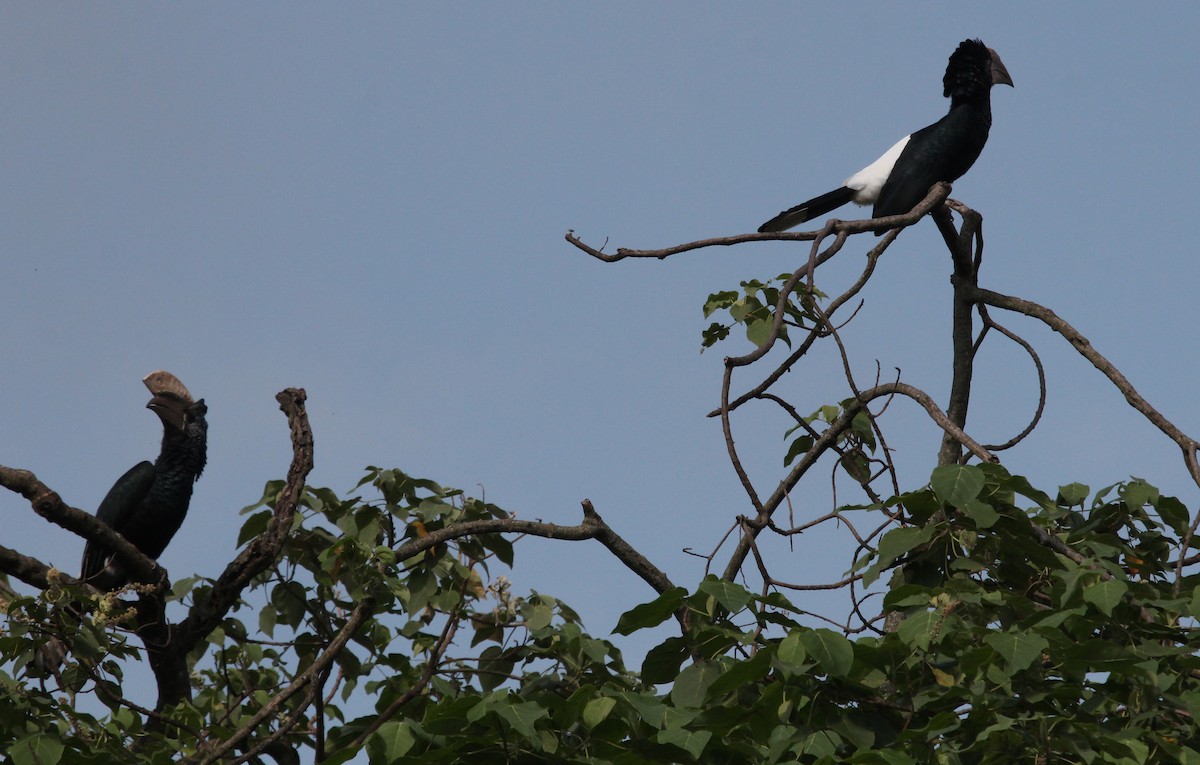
987,620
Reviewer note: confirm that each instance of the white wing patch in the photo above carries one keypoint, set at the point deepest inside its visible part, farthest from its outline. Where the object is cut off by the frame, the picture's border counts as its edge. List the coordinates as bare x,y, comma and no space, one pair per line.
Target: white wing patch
866,183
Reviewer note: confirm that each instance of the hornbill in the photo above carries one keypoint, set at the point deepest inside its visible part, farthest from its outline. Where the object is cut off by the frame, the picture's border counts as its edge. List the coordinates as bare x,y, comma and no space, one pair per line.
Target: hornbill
943,151
147,504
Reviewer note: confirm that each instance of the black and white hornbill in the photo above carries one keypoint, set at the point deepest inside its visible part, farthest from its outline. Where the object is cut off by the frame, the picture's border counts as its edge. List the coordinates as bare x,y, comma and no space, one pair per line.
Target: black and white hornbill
147,504
902,177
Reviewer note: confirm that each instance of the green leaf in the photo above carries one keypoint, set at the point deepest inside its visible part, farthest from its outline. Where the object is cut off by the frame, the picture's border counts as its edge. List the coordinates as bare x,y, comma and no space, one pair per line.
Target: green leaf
956,485
343,755
650,614
831,650
791,653
38,749
495,664
537,615
732,596
743,672
713,335
391,742
649,707
797,447
759,331
1021,485
1105,595
662,662
916,629
1018,650
597,711
984,515
1073,494
691,741
266,620
899,541
718,301
499,546
692,684
821,743
522,717
1174,513
254,525
856,465
269,496
1138,493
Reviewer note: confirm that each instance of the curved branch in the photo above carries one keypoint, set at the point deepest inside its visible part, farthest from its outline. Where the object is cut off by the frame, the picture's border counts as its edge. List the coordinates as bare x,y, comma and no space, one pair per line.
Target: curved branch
989,323
1081,344
828,438
47,503
29,570
592,527
263,550
936,196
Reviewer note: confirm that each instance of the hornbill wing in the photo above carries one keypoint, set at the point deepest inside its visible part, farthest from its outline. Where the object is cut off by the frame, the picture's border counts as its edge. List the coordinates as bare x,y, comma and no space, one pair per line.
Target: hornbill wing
941,152
117,508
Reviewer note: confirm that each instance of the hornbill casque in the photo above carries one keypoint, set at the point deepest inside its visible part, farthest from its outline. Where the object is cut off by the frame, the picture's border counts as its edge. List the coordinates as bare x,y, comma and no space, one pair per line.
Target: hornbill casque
147,505
943,151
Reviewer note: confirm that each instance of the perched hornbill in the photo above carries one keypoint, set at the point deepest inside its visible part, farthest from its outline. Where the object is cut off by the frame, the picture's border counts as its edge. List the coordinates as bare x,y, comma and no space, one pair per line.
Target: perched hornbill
945,150
147,504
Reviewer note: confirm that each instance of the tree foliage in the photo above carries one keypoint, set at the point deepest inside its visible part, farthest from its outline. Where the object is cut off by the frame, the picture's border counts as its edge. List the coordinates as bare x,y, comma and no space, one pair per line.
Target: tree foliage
990,620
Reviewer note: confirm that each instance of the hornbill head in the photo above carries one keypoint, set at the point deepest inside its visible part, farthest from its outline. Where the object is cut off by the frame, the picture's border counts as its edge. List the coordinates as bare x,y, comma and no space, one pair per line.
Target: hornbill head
972,71
171,399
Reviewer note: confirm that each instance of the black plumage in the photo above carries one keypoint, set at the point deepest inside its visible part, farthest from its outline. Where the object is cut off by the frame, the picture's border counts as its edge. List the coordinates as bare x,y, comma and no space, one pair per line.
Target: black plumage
147,505
943,151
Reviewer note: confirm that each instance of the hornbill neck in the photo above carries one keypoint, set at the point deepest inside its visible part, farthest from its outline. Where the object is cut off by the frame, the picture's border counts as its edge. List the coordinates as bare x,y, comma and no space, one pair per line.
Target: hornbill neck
980,104
184,448
972,93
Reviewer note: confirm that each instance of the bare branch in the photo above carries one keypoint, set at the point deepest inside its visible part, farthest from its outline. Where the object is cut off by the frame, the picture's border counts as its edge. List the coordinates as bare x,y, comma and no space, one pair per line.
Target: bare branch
989,323
592,527
47,503
828,438
936,196
29,570
1081,344
263,550
966,276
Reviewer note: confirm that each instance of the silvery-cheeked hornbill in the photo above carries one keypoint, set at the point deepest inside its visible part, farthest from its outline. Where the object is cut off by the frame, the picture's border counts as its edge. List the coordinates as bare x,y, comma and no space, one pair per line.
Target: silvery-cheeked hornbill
147,504
943,151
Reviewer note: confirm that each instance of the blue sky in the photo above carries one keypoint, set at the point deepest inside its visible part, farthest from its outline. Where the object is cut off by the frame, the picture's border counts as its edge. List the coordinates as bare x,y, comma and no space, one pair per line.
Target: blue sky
369,201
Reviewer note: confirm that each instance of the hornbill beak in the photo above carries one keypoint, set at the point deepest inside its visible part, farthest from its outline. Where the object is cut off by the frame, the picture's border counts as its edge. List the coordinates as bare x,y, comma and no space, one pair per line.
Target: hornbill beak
1000,75
169,410
170,398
